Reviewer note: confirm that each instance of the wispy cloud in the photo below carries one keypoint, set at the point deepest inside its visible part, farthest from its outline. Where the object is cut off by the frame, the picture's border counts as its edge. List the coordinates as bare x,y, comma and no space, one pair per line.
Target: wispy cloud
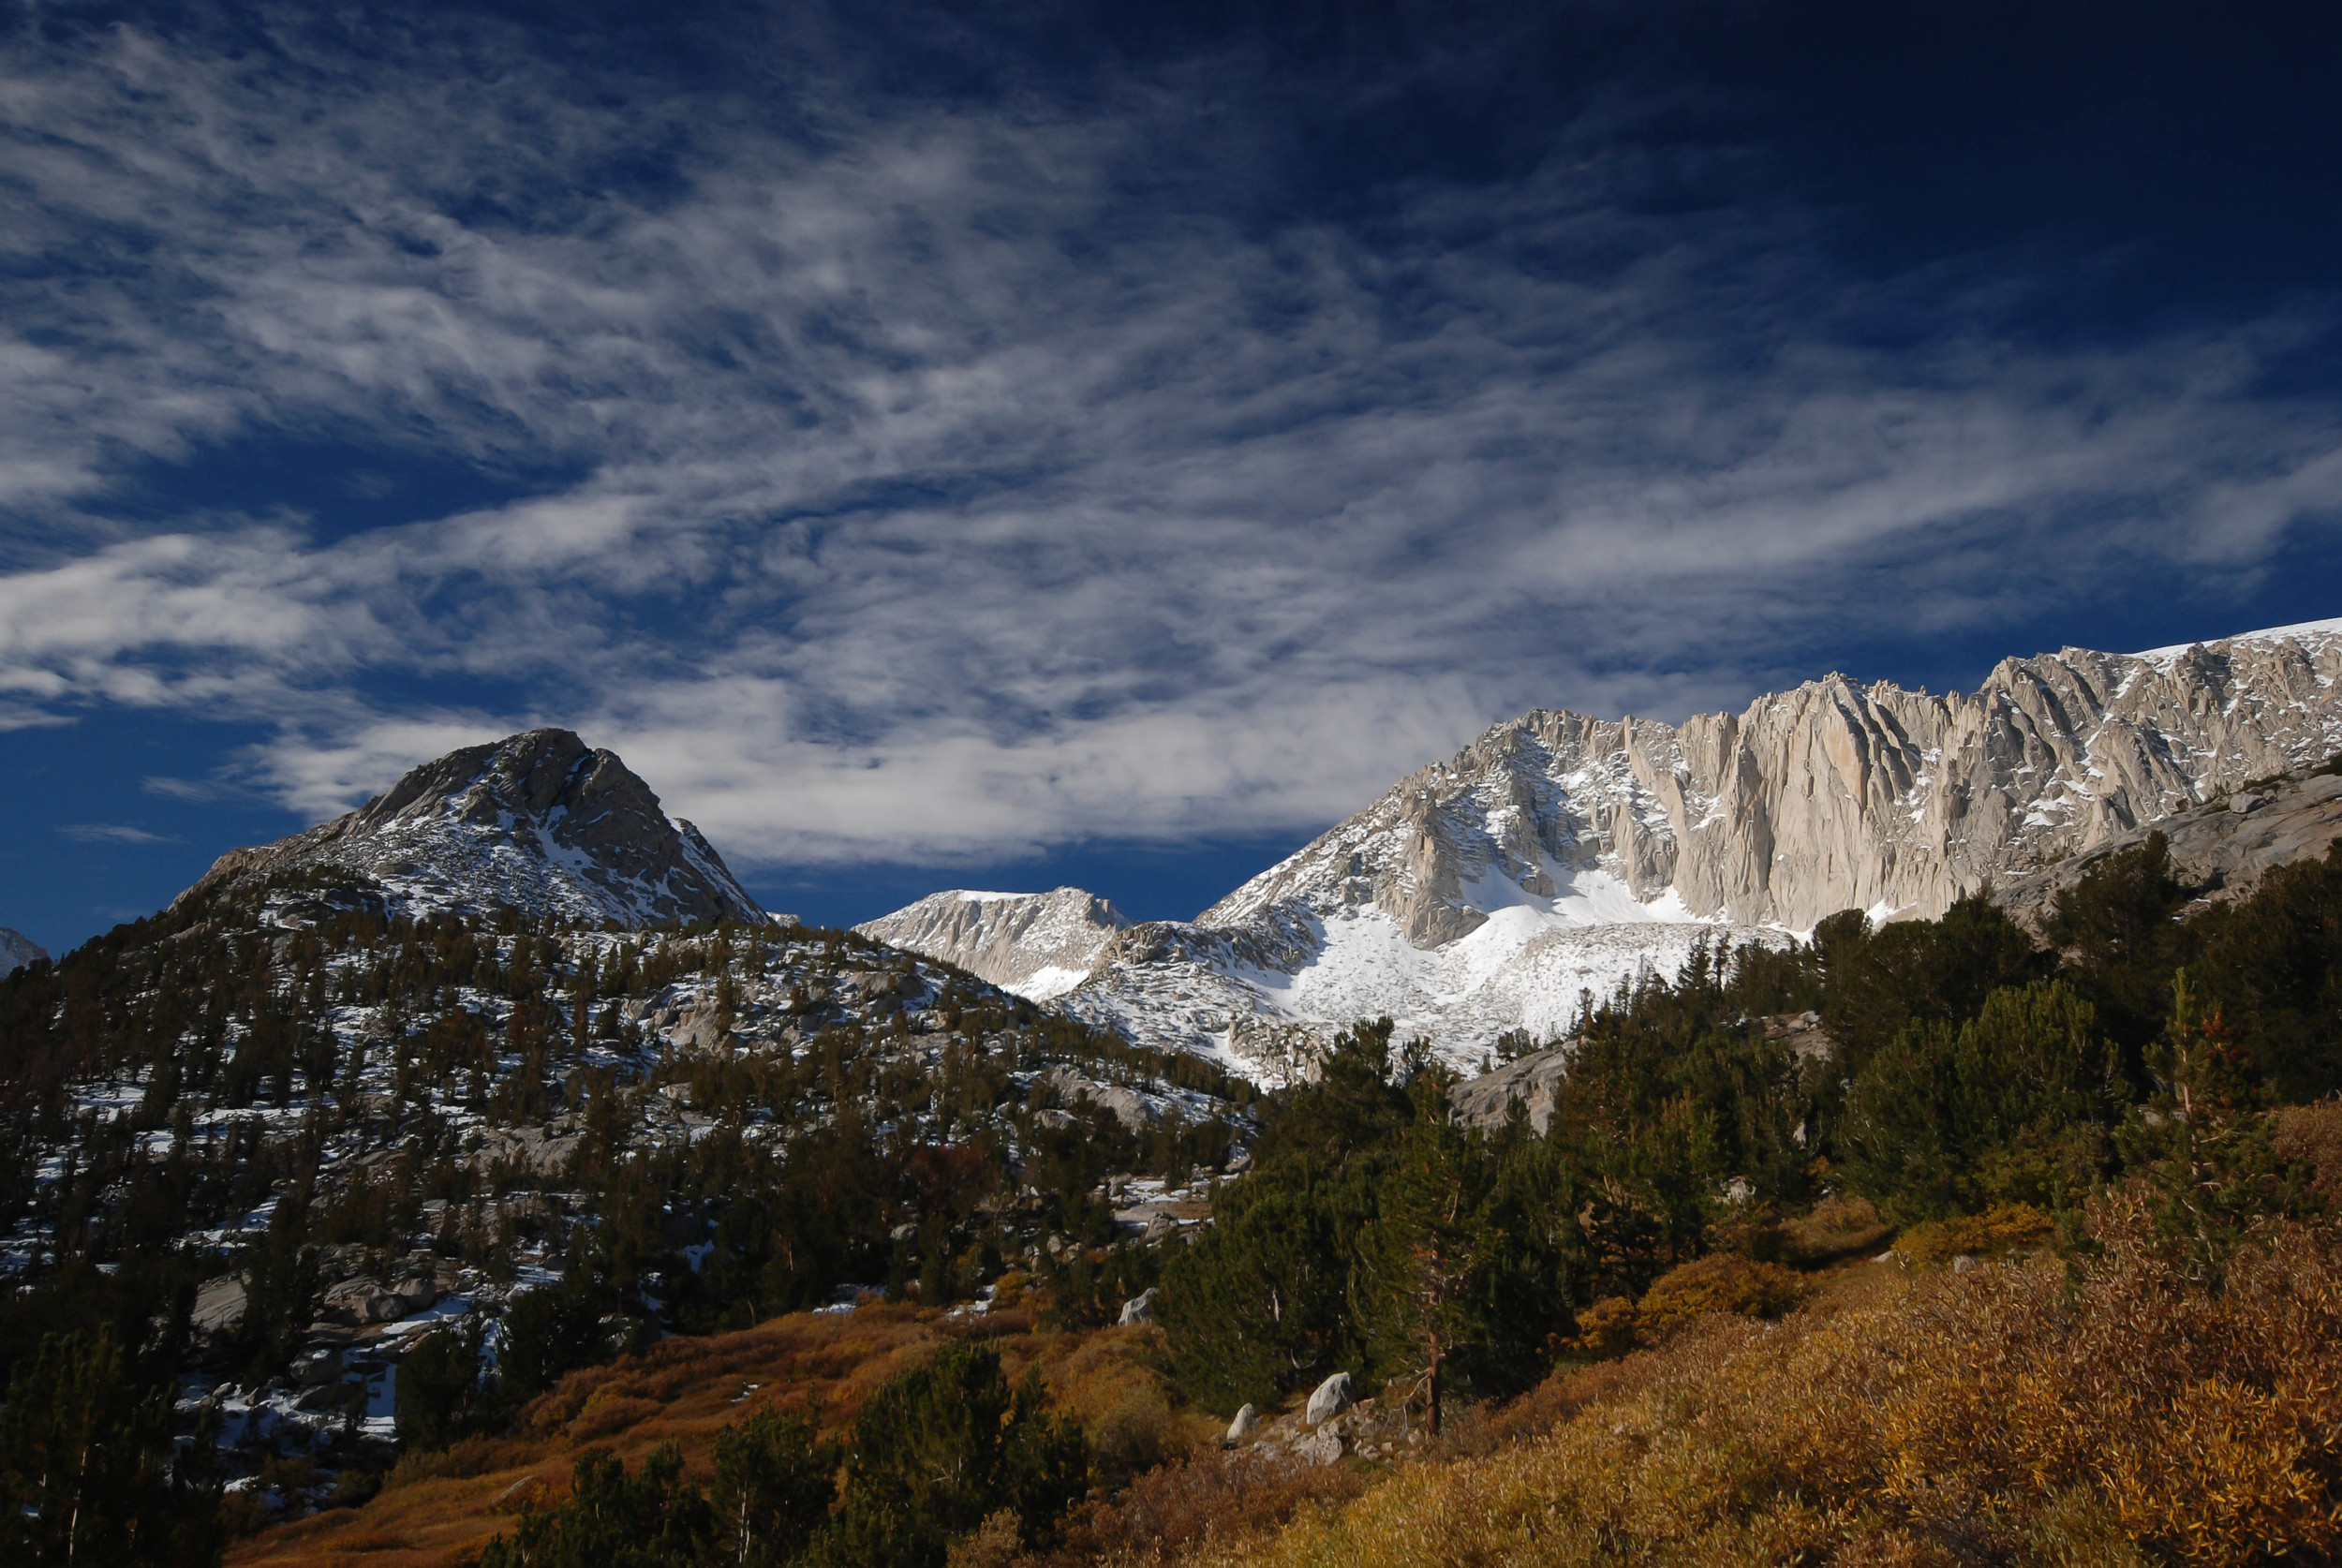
112,832
952,479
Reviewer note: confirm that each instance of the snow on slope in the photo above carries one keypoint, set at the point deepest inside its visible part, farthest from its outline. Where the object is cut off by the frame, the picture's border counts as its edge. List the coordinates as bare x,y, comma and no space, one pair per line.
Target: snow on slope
1037,945
1263,1006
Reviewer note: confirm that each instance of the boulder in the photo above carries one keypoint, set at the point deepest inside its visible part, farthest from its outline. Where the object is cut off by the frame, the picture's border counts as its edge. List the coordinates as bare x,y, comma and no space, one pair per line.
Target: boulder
1246,1423
218,1306
361,1301
1322,1447
1334,1396
314,1369
1139,1309
1127,1106
415,1293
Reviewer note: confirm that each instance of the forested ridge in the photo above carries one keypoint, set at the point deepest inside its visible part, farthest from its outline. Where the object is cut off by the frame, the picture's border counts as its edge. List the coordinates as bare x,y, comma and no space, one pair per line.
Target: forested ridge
2146,1084
233,1147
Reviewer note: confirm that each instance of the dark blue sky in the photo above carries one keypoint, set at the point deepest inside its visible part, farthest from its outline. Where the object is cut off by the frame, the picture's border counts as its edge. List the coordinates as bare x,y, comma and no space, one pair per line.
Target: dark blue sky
995,445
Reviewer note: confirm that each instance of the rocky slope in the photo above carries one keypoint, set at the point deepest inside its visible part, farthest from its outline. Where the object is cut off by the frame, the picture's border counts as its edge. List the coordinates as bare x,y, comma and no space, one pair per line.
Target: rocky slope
2224,848
1561,853
1037,945
17,950
537,821
331,1127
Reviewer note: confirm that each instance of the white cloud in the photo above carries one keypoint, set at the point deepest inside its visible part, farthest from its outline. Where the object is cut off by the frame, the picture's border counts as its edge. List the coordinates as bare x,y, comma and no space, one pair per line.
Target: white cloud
928,492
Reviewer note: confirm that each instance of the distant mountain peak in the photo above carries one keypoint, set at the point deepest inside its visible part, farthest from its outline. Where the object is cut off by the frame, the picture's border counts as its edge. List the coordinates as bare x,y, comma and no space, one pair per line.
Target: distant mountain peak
539,820
1037,945
17,949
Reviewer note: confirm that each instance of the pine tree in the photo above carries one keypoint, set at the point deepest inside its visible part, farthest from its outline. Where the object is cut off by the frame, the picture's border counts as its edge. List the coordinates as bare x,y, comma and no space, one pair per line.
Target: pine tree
89,1471
1423,1257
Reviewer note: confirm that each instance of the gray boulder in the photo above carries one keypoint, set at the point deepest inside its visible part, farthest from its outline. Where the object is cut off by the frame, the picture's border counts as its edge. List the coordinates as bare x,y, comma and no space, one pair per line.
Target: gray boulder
218,1306
317,1367
1247,1422
1321,1447
1334,1396
1139,1309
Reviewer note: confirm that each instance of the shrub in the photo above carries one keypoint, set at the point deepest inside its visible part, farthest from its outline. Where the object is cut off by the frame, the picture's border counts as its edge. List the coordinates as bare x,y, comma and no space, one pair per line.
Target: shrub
2004,1229
1836,1227
2313,1134
1607,1328
1716,1283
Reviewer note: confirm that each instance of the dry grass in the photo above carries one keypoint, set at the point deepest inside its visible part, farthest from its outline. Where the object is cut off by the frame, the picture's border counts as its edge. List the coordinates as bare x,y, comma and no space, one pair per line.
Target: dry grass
2003,1415
438,1509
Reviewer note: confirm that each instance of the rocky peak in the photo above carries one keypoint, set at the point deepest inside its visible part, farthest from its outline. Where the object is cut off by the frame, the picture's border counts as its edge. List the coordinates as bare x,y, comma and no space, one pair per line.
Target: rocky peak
1037,945
538,821
17,949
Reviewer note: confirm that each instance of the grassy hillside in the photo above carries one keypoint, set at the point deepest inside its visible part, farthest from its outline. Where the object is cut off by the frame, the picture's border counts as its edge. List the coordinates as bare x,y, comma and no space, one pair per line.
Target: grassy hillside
2115,1408
439,1508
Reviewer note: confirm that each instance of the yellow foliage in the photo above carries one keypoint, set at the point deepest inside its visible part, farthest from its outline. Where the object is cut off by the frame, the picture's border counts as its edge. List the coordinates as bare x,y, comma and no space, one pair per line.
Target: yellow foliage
2004,1414
1607,1328
2004,1228
1719,1282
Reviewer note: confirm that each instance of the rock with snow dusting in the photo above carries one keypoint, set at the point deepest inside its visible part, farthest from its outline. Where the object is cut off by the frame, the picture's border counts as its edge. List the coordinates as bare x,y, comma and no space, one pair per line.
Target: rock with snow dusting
17,950
2216,848
539,821
219,1304
1127,1106
1037,945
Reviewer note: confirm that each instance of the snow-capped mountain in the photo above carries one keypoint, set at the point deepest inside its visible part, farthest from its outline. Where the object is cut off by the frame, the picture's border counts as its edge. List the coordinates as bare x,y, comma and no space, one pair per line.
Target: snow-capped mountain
1037,945
539,821
1561,853
17,949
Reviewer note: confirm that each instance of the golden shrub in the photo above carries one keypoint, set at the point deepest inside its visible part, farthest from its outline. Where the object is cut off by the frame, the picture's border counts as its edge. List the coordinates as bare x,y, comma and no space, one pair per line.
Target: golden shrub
1717,1283
2004,1228
1607,1328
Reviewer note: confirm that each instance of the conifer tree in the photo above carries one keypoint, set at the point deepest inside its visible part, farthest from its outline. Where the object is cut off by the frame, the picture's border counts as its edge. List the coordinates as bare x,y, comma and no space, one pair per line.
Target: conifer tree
1422,1258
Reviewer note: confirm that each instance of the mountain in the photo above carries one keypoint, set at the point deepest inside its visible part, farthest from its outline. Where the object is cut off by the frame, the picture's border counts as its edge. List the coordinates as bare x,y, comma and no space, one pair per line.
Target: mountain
1561,853
1037,945
401,1073
537,821
17,950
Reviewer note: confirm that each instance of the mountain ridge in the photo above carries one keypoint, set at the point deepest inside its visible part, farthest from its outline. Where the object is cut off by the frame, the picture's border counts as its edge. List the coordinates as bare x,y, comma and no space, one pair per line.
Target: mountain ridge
1558,852
1038,945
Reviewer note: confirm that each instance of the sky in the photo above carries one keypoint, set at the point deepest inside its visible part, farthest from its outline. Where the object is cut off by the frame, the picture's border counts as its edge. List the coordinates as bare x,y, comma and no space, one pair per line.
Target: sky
999,446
